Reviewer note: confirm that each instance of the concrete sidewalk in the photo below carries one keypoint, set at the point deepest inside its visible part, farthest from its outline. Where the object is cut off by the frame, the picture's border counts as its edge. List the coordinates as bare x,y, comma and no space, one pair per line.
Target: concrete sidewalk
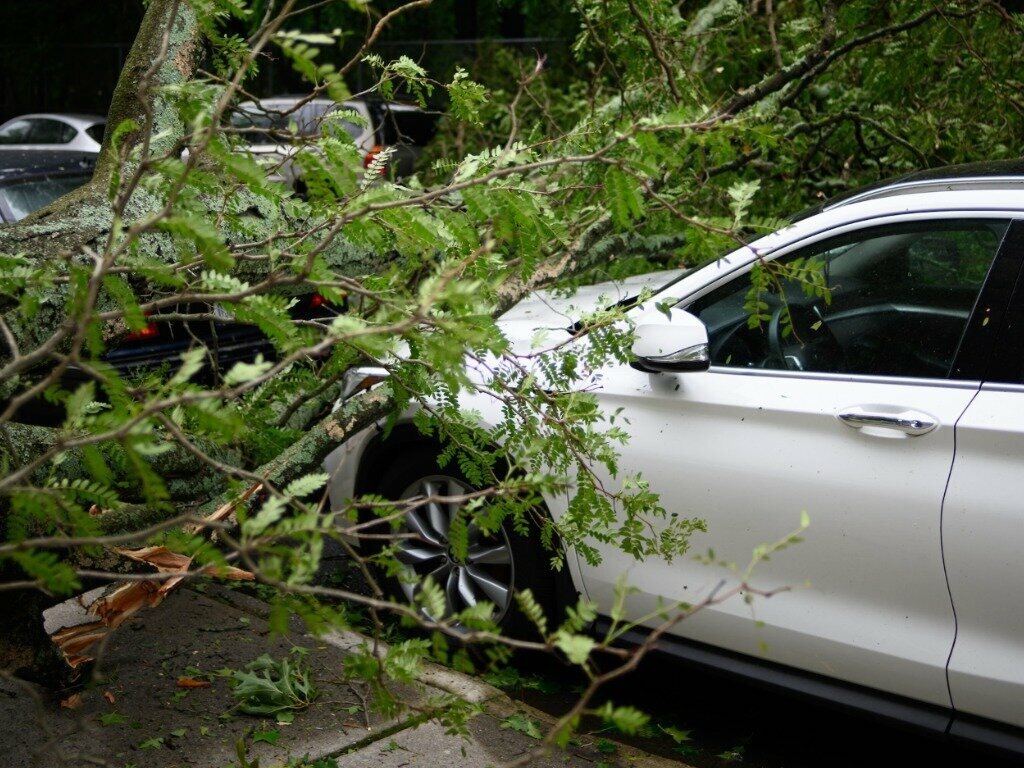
138,715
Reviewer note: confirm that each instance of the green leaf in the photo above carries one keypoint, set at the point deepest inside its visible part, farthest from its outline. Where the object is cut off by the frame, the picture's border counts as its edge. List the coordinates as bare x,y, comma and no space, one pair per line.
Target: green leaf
56,575
268,687
523,723
123,129
305,485
576,648
466,97
203,236
125,297
239,165
677,735
742,195
532,610
458,535
192,361
431,597
271,511
626,719
112,718
624,199
242,372
271,736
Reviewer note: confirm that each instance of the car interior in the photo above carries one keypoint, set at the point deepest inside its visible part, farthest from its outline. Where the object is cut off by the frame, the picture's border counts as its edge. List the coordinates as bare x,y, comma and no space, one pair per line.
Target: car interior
893,302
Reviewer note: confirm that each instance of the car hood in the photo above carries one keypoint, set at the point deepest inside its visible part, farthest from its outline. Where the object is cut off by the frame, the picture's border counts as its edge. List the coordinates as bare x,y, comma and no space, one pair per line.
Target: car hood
556,311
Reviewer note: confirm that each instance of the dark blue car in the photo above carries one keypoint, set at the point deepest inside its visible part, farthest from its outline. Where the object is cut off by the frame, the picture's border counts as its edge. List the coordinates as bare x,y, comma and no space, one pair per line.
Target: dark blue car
33,178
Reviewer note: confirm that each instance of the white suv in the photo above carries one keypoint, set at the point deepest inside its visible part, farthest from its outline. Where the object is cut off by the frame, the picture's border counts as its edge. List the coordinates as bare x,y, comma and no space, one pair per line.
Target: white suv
893,414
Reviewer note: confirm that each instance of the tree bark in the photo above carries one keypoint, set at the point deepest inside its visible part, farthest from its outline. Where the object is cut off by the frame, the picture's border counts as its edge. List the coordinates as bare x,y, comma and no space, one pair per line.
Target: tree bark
168,50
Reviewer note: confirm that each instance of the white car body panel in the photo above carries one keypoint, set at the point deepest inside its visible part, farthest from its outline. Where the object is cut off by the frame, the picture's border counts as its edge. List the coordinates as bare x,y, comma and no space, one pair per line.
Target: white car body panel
749,453
982,525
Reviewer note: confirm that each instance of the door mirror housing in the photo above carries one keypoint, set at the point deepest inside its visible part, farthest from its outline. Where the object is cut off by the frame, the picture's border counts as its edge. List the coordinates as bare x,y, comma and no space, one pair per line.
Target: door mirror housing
675,344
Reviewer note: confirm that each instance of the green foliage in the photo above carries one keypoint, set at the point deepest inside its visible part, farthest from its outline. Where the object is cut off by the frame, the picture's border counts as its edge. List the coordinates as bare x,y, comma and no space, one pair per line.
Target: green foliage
269,687
302,49
467,97
512,679
577,648
402,73
191,232
628,720
522,723
648,159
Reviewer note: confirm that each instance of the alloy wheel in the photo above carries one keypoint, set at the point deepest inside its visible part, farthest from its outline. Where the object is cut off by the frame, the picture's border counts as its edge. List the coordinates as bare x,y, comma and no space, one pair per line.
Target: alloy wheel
486,573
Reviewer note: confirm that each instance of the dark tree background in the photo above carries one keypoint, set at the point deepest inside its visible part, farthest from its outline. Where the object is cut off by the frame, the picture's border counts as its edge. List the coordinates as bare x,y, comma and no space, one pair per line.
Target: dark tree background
66,55
63,55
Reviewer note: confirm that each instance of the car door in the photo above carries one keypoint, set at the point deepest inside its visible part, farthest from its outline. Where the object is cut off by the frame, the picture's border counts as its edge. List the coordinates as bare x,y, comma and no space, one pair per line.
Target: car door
847,416
983,532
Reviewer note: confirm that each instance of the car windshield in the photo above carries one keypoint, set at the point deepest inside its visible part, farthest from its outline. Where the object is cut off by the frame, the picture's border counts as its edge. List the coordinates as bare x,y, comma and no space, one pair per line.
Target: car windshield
276,124
23,197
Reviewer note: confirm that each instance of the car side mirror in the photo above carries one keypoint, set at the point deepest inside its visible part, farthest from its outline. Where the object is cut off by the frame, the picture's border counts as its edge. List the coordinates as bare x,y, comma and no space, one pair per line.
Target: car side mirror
677,343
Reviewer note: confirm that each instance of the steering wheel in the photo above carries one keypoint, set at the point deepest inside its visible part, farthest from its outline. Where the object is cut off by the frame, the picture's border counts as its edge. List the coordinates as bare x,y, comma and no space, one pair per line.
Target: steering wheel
810,345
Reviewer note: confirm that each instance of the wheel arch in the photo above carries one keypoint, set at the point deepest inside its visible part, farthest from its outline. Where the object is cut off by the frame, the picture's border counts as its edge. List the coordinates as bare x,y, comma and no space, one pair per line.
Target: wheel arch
383,447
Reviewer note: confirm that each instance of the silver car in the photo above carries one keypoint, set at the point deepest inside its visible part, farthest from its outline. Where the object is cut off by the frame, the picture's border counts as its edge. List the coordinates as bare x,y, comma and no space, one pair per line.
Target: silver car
80,133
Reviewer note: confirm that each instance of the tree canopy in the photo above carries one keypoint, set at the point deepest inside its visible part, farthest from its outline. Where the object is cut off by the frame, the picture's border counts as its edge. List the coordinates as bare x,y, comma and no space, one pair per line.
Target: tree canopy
679,131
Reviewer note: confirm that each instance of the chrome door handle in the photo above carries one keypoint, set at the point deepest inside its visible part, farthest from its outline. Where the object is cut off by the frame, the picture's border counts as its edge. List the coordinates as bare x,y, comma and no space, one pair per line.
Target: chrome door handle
908,422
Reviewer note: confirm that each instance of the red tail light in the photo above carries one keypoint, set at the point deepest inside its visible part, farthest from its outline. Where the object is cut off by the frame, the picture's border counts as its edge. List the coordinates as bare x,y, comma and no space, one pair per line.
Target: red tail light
372,155
149,332
316,300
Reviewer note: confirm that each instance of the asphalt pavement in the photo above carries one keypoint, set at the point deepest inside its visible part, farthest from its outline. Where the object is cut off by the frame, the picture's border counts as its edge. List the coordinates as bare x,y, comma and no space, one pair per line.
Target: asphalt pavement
137,711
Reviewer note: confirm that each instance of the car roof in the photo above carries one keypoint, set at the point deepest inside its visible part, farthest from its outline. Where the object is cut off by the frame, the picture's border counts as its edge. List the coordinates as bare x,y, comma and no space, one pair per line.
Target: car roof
988,175
80,120
287,99
26,163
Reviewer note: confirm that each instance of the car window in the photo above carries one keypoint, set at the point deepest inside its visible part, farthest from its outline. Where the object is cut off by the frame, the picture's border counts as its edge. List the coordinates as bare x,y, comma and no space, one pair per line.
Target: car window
95,132
15,132
888,301
50,132
21,198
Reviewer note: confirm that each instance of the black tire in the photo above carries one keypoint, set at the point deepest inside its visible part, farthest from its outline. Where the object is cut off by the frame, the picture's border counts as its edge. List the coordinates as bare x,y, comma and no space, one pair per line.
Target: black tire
498,565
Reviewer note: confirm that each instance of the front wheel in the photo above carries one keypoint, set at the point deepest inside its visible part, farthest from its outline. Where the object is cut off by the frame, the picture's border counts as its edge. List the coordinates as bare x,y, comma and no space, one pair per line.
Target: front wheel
496,566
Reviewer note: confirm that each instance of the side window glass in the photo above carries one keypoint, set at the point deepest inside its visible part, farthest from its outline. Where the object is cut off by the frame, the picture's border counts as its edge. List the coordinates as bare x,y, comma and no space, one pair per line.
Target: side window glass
47,132
889,301
16,132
